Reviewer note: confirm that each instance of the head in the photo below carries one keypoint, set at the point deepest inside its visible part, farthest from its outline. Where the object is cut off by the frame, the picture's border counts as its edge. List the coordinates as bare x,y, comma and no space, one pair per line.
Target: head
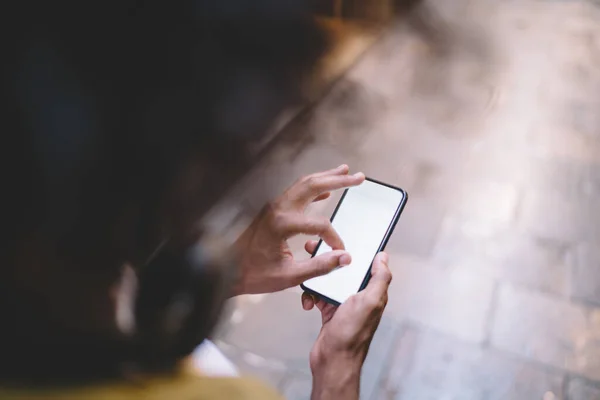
124,122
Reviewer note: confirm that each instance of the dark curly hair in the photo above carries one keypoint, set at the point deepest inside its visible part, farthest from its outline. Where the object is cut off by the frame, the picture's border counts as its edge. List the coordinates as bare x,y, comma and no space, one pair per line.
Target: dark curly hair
123,122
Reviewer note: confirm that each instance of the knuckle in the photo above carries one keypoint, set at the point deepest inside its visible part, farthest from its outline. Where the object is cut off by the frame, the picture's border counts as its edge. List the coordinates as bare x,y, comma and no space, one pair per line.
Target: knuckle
386,277
353,301
388,274
272,209
378,307
305,179
371,302
378,304
323,224
279,220
312,182
382,302
316,225
321,267
272,206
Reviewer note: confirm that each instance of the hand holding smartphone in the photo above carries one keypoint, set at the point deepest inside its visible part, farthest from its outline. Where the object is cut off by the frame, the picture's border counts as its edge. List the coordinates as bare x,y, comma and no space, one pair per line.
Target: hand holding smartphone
365,218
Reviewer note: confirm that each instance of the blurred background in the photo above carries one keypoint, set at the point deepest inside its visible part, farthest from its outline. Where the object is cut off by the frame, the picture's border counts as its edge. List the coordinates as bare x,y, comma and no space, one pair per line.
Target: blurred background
488,114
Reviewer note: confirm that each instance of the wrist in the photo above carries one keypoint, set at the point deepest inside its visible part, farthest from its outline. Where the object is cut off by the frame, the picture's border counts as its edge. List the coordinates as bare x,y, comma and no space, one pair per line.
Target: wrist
335,376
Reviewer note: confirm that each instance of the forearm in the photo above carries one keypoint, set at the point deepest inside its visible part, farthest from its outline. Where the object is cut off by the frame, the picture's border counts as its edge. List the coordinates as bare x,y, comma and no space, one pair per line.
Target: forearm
339,380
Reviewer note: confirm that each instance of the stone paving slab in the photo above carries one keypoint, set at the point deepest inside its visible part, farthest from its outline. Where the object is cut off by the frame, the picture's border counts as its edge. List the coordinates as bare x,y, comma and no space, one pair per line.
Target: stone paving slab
506,255
586,272
579,389
430,365
548,330
454,302
560,216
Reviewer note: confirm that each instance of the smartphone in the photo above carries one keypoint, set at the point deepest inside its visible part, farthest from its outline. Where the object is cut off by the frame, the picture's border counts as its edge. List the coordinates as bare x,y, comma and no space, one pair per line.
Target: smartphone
365,218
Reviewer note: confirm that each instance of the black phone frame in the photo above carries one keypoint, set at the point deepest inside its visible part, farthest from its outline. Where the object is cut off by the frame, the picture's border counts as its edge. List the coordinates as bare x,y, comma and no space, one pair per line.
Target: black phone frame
382,246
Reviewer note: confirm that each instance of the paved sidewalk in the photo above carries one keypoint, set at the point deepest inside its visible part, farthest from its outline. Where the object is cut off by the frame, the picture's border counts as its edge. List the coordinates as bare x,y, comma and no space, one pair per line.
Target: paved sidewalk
492,124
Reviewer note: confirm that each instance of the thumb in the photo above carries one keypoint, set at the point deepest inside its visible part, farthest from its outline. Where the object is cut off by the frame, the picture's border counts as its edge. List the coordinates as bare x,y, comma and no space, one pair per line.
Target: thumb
381,276
320,265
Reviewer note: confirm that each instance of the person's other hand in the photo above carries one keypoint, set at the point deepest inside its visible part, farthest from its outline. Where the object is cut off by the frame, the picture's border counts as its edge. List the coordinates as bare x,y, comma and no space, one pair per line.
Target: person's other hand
266,261
340,350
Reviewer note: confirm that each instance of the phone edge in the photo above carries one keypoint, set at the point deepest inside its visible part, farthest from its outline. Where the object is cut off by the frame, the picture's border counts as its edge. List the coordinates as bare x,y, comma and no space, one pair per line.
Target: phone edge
390,231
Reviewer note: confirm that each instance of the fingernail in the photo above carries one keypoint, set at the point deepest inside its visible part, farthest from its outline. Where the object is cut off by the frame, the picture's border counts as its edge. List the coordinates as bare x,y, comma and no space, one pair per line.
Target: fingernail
383,256
359,175
342,166
304,301
345,260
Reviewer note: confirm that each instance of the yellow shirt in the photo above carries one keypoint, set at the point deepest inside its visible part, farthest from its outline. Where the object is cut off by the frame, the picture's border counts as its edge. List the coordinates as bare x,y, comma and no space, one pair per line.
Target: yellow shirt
180,387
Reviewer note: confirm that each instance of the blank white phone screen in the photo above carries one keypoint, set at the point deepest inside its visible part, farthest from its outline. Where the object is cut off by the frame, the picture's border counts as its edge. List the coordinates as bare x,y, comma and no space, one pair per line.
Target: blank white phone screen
362,221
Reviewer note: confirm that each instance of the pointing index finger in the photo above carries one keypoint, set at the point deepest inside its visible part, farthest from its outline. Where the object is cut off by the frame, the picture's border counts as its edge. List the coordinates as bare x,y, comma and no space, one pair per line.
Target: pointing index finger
294,224
341,170
312,187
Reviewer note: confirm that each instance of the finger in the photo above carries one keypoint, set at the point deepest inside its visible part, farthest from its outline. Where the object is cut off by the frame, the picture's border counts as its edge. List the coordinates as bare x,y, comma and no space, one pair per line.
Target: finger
318,266
327,309
311,187
327,312
381,277
311,246
321,304
308,302
322,196
294,223
340,170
